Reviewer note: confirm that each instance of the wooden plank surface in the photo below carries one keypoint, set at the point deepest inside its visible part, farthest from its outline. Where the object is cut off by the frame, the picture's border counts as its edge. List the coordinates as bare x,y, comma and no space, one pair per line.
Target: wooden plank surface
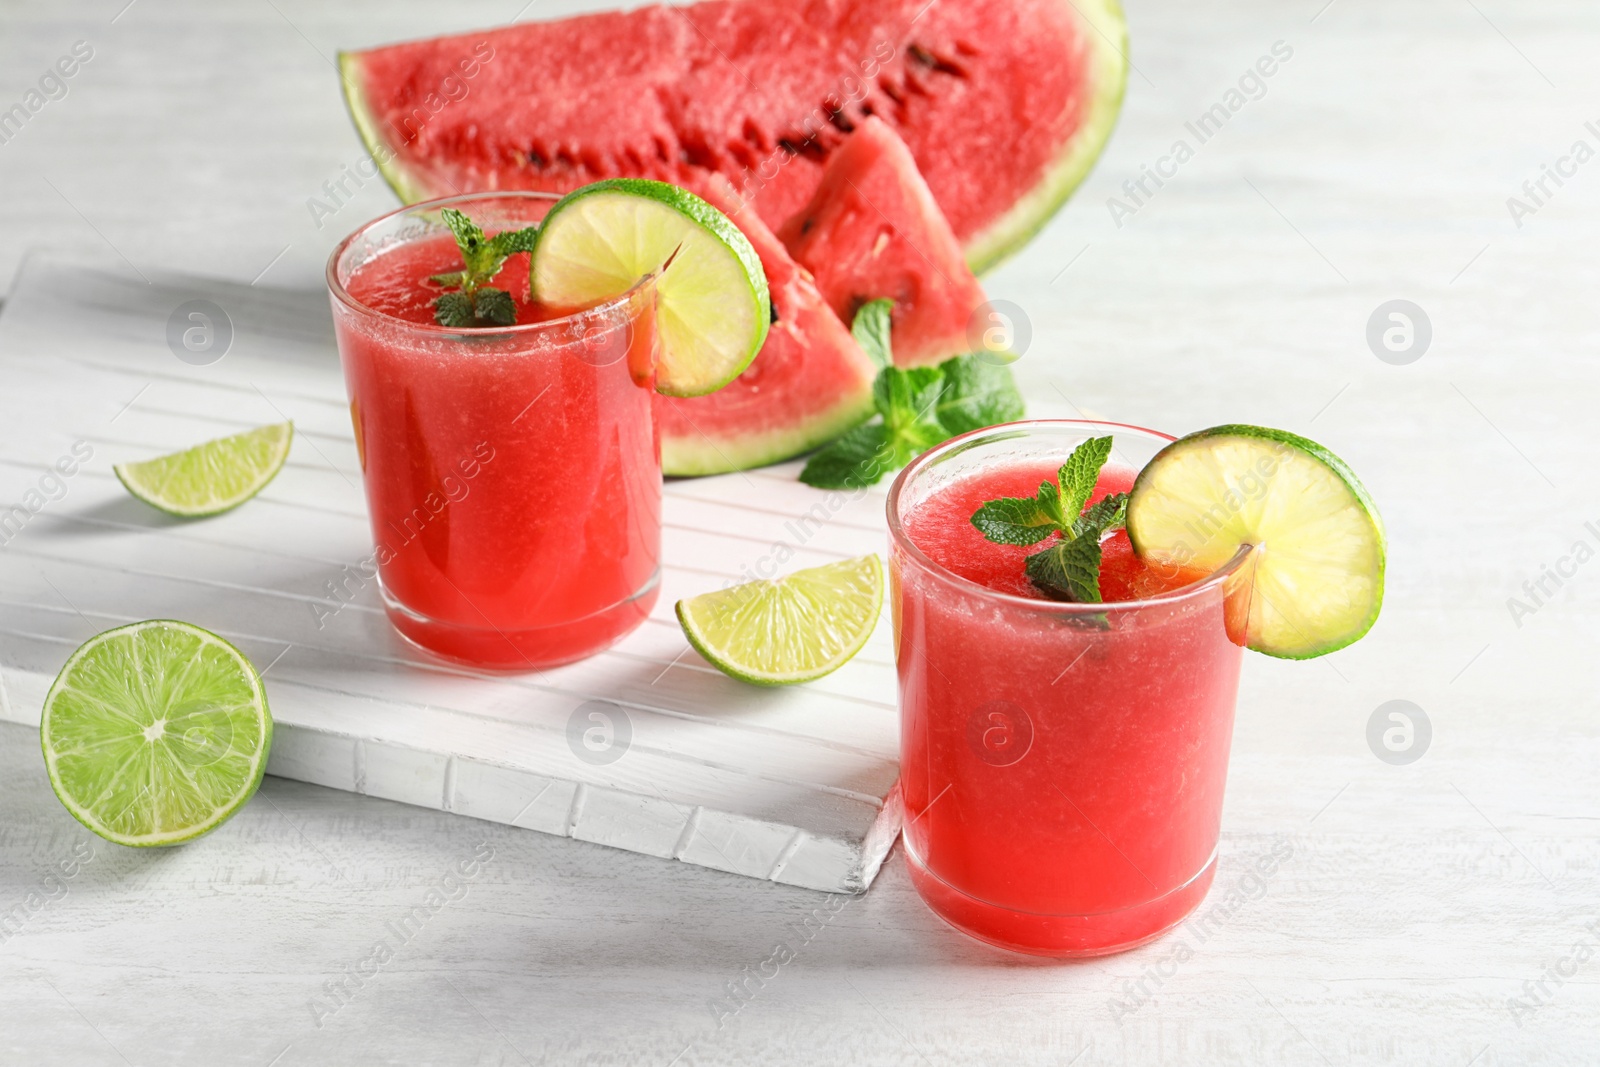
1429,913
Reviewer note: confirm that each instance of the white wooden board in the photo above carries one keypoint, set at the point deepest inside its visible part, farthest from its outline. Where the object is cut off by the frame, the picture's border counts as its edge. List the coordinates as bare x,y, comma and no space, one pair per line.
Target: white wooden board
795,785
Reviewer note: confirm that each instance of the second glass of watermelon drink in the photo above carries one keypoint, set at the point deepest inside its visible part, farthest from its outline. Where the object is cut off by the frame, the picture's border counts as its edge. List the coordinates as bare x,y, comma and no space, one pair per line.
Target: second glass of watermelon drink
513,475
1062,764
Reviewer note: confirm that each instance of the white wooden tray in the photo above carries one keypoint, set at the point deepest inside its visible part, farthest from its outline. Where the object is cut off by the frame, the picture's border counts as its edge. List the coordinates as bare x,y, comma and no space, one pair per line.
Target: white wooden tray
795,785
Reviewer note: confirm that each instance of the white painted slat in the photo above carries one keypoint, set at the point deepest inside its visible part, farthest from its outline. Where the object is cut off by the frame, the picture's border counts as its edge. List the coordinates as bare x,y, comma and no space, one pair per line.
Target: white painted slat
792,785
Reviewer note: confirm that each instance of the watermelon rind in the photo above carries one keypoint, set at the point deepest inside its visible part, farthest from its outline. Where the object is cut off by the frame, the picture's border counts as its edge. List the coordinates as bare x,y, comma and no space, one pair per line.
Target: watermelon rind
692,457
410,190
1108,38
1007,234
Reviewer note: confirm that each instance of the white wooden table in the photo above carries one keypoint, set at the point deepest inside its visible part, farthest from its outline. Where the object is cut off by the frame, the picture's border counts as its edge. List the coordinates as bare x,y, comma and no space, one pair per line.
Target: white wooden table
1443,911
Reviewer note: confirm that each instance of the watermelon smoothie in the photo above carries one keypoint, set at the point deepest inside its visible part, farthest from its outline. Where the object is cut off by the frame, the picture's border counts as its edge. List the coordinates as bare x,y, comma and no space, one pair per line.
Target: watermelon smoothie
1062,765
513,474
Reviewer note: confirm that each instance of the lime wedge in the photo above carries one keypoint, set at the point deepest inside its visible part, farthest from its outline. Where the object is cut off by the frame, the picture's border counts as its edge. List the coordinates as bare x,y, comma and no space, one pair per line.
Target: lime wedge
1314,582
712,305
211,478
788,630
155,733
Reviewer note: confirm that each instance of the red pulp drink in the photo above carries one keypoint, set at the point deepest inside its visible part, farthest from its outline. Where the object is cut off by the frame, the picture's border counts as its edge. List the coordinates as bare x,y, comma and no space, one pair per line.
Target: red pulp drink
1062,765
513,474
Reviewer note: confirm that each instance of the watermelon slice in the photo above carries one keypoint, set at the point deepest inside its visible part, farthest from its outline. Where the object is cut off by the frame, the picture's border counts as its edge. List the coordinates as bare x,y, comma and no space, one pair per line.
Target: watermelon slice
809,383
873,230
1004,104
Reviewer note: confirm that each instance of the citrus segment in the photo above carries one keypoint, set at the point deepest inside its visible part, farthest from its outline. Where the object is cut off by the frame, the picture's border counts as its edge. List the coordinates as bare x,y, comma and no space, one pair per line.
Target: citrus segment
210,478
791,629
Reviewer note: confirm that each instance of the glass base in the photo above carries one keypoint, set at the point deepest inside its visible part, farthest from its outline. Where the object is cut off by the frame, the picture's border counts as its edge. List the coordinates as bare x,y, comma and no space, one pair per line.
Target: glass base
1059,936
491,648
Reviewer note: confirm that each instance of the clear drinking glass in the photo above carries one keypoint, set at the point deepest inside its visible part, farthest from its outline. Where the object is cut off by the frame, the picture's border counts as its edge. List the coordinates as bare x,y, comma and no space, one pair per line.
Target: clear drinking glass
513,474
1062,764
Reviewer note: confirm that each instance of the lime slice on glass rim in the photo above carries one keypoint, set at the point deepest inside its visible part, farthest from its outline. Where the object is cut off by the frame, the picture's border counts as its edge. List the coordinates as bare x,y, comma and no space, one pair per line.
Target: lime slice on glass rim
712,304
211,478
155,733
791,629
1314,580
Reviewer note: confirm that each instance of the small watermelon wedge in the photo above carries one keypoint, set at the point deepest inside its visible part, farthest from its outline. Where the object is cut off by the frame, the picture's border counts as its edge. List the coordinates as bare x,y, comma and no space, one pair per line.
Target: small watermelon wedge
809,383
1004,104
872,231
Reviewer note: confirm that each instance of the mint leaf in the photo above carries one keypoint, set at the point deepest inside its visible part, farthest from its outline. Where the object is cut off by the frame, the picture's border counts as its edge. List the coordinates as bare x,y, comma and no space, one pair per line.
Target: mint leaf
906,399
1022,520
1055,509
1068,570
454,309
861,457
976,394
916,408
483,257
1080,472
1018,520
1109,513
870,328
906,425
510,242
469,237
495,306
865,453
906,396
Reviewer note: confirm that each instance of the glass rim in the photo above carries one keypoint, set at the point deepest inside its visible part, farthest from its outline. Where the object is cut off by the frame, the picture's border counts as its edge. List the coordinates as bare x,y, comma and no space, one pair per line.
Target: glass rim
343,295
1022,428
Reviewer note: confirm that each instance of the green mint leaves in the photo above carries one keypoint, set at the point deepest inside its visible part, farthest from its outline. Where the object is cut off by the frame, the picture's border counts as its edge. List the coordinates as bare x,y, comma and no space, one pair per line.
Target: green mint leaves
1021,520
871,331
1029,520
915,409
474,303
1070,568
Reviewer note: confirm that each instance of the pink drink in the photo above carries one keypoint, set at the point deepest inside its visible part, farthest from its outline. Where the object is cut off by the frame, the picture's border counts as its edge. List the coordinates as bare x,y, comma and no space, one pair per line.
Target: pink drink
512,474
1062,765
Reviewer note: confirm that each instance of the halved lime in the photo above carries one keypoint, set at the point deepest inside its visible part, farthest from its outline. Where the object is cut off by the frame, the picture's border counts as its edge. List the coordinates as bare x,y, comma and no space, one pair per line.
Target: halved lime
211,478
1314,582
155,733
712,305
791,629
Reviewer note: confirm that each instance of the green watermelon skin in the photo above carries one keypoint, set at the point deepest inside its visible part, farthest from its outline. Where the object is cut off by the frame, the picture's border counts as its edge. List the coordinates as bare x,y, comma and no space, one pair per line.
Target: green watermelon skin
809,383
1004,104
872,230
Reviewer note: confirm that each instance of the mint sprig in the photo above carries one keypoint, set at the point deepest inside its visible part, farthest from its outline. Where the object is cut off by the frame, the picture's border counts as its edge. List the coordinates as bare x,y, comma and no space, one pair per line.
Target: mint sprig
1070,568
914,409
1029,520
474,303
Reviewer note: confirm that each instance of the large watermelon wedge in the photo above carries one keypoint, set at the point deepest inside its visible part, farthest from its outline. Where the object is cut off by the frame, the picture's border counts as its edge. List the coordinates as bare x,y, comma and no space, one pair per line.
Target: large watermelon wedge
1005,104
809,383
873,231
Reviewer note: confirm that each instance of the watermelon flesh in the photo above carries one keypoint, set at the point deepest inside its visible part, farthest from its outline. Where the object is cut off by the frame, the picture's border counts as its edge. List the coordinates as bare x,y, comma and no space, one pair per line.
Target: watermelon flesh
809,383
873,230
1004,104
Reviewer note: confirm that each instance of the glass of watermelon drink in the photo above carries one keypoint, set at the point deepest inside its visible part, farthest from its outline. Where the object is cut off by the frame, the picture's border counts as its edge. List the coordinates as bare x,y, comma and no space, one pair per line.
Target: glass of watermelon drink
1062,764
512,473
